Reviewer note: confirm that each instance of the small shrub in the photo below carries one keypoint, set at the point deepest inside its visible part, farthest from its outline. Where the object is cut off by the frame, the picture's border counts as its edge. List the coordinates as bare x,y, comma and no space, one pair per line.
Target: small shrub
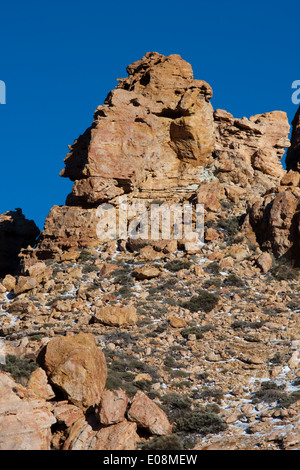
230,225
288,400
284,272
233,280
205,301
269,392
171,442
193,330
86,255
214,393
242,324
213,268
215,282
177,264
201,422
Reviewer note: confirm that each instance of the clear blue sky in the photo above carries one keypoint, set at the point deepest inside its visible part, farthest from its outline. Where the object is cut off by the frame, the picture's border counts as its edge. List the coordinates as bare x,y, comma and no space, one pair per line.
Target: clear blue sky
60,58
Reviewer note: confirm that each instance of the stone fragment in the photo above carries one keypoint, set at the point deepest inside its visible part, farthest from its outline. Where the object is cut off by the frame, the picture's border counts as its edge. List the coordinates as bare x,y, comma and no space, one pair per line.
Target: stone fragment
67,414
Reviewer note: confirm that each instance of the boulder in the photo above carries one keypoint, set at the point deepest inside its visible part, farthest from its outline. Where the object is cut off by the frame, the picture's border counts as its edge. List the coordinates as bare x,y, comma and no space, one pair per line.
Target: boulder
264,262
77,367
85,436
113,407
38,383
115,315
148,415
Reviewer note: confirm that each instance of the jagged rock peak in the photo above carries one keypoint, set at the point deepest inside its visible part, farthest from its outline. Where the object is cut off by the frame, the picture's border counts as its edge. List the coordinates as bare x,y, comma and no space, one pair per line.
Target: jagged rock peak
153,133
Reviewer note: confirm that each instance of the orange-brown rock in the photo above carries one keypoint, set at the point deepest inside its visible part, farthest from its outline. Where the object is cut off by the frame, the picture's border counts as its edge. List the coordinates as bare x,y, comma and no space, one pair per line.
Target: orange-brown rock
25,419
113,407
116,315
275,221
38,383
249,151
148,415
153,133
84,436
77,367
210,193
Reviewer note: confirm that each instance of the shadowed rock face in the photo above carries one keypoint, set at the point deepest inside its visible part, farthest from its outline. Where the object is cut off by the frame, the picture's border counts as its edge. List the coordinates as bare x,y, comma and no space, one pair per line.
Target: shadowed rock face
293,154
153,133
16,232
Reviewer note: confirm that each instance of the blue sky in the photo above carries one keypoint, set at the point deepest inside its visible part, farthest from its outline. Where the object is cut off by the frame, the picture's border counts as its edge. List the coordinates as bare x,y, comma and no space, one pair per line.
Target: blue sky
59,60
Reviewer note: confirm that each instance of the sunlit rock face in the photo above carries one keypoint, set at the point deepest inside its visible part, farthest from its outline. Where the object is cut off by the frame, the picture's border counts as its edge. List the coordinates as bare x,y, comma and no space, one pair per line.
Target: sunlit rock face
153,134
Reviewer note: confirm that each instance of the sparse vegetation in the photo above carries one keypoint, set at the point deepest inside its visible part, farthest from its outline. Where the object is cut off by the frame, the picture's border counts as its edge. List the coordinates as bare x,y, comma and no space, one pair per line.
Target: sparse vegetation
204,301
20,369
177,264
233,280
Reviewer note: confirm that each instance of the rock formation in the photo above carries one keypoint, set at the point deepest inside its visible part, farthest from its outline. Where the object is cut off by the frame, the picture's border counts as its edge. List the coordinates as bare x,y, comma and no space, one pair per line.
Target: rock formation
157,137
16,232
132,343
293,153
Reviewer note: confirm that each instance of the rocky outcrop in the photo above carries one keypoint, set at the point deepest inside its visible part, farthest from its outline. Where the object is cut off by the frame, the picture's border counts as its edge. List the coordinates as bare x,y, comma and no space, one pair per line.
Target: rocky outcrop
274,219
293,153
16,232
248,152
153,134
157,137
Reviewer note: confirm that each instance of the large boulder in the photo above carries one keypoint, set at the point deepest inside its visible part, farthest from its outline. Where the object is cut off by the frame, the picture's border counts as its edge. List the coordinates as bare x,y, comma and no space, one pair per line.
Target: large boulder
76,366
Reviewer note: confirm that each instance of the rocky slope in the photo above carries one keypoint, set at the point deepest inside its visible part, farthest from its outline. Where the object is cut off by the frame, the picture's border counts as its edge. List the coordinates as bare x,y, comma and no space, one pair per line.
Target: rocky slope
147,344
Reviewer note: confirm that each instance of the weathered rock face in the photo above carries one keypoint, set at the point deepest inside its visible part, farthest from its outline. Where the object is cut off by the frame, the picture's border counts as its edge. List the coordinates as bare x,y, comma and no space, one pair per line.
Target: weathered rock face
293,154
77,366
25,419
148,415
67,228
248,151
16,232
275,220
153,134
